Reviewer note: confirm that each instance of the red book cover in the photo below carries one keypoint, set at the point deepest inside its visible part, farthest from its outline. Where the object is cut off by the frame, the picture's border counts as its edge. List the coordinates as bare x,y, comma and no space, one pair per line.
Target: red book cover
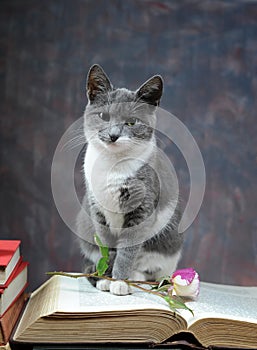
14,286
7,250
9,257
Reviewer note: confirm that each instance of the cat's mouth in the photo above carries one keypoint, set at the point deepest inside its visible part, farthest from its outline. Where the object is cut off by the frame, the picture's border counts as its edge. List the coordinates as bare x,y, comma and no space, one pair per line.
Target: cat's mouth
121,144
117,145
113,140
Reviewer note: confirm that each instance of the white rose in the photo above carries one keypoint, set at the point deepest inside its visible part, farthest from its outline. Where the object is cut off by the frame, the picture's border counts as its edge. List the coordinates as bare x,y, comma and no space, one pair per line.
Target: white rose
186,283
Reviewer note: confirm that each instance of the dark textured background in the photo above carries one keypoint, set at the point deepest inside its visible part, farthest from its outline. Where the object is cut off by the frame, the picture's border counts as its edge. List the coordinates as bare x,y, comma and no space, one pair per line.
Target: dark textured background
206,52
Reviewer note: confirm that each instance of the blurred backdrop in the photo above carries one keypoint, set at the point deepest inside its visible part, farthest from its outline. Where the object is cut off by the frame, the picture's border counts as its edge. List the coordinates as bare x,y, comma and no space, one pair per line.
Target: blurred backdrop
206,52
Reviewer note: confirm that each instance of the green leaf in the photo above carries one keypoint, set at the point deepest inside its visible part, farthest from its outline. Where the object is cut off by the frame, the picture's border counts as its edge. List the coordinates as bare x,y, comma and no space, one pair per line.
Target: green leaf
177,303
104,250
98,240
101,266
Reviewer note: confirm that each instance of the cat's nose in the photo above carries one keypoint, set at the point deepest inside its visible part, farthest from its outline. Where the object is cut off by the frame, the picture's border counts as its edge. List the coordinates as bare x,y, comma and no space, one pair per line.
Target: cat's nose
114,137
114,132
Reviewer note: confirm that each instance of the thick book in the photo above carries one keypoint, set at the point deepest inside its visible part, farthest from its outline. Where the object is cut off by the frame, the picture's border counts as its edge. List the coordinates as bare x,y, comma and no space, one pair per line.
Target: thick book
9,257
9,319
69,310
14,286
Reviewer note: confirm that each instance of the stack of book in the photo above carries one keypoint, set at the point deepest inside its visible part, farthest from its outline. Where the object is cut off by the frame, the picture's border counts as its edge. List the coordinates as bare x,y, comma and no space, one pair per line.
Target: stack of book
13,282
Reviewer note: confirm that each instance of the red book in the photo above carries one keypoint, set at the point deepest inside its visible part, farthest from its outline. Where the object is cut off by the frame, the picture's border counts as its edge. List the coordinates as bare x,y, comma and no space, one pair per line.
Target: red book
9,258
14,286
9,319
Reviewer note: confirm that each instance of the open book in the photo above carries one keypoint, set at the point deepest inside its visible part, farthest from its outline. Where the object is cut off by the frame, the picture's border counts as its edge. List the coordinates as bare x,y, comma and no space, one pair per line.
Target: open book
71,310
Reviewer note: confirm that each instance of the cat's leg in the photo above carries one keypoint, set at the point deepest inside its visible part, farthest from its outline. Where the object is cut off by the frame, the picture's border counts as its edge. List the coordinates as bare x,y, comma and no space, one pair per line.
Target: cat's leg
130,240
103,231
91,256
103,284
90,221
122,268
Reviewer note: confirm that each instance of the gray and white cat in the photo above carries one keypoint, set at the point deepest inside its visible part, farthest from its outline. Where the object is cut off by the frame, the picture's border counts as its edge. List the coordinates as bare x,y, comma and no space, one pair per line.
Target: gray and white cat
131,193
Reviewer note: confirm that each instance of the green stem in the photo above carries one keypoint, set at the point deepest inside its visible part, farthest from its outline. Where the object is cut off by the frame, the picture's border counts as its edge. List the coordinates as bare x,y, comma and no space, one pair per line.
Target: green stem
65,274
133,284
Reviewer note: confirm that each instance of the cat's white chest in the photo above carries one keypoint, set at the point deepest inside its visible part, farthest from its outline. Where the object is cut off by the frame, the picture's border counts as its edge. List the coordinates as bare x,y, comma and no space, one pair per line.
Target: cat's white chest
105,177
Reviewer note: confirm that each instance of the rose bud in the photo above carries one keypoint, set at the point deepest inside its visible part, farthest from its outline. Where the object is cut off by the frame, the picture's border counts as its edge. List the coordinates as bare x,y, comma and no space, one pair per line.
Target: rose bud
186,283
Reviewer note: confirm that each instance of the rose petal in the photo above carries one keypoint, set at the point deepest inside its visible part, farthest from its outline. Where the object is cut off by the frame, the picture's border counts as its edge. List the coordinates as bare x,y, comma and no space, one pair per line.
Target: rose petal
185,274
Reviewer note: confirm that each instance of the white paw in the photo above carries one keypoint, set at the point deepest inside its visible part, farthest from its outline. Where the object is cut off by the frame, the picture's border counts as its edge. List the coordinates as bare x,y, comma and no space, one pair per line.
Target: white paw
103,285
119,288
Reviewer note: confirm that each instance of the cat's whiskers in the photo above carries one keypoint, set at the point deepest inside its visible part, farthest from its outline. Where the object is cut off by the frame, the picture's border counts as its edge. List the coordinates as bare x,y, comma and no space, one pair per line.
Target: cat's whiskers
76,141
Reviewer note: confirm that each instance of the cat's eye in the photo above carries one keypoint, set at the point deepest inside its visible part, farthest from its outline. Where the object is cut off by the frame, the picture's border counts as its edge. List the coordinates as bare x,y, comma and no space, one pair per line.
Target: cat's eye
131,122
104,116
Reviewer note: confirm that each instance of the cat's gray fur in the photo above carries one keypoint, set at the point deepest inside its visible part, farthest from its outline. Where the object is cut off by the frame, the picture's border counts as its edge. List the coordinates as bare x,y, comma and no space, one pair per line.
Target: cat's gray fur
131,193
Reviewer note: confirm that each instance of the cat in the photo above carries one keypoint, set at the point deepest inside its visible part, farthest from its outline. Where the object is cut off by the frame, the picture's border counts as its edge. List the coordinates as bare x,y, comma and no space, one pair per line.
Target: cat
131,198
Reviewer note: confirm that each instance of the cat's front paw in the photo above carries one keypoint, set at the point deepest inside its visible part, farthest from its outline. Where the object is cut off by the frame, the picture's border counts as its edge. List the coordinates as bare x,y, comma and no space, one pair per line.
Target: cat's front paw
103,285
119,288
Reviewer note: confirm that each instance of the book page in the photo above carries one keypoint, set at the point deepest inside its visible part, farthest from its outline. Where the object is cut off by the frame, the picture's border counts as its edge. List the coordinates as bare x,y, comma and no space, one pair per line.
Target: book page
63,297
77,295
224,301
43,301
76,303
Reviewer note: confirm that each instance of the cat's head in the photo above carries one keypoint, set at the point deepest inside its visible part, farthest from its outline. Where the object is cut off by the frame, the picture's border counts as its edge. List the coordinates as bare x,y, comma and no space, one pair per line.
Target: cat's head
120,120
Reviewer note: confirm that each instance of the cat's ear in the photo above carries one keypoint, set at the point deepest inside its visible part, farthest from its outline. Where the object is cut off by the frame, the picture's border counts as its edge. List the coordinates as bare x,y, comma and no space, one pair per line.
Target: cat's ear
97,82
151,91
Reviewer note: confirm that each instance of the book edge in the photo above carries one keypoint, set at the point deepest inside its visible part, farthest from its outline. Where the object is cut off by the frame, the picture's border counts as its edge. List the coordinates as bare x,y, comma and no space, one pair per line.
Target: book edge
20,269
